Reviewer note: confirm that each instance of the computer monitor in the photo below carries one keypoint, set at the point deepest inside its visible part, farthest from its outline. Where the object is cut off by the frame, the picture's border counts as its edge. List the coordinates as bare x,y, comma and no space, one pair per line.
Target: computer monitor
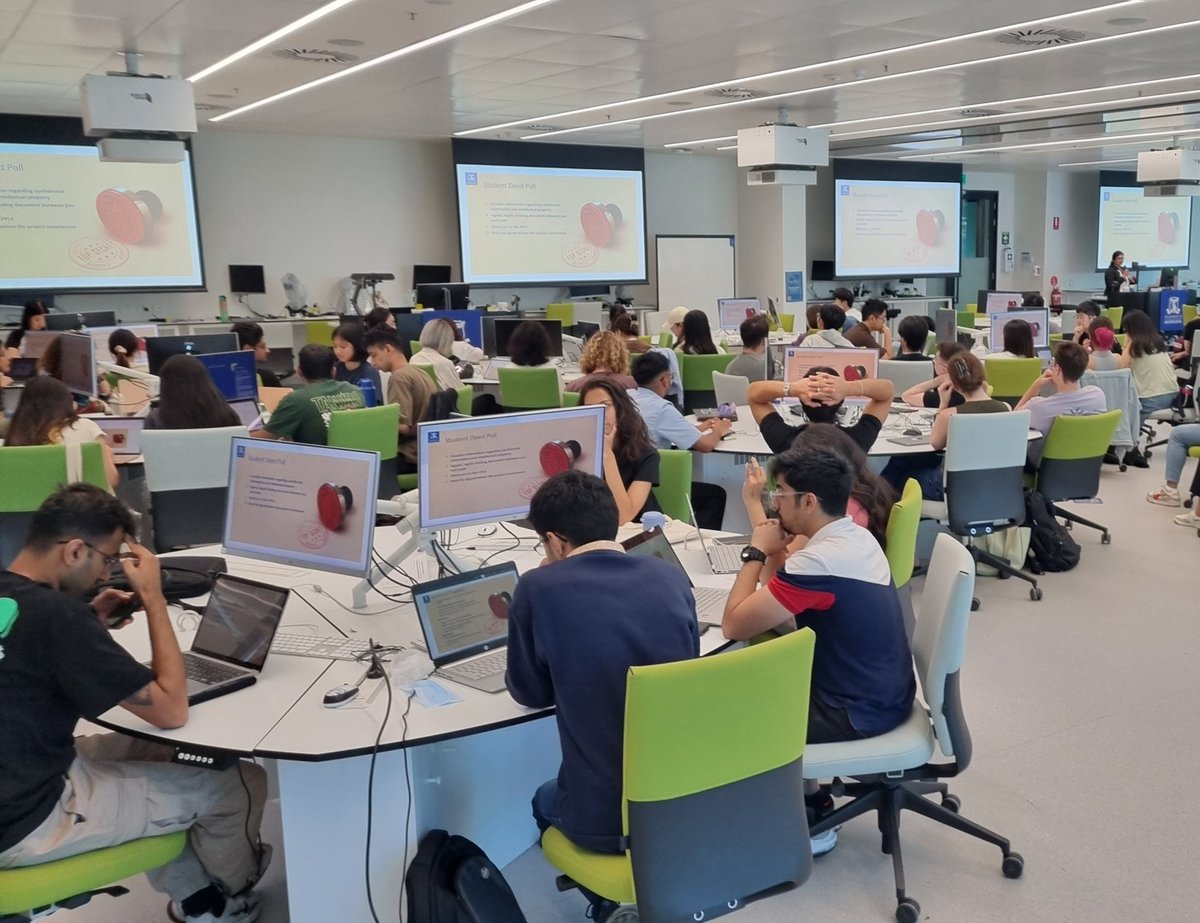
822,271
160,349
302,505
586,330
486,469
430,275
469,322
70,321
1168,278
449,296
247,280
732,311
1037,318
78,362
945,326
235,374
34,342
497,330
588,291
852,364
988,301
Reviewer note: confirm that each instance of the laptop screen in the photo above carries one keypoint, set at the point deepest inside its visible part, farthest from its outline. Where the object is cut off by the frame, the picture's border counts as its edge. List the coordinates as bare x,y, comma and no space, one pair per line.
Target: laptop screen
466,614
124,433
239,621
247,411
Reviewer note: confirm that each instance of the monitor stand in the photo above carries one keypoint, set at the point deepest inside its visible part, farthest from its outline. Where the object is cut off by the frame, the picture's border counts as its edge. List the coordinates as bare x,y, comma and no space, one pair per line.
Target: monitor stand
415,540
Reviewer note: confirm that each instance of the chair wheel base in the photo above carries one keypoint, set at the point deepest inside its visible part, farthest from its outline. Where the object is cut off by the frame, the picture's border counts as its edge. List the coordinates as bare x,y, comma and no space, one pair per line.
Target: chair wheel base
1035,593
1105,539
1013,865
908,911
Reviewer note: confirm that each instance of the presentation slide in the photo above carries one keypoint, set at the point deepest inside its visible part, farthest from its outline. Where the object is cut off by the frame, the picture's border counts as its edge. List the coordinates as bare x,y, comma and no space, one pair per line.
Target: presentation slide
851,364
550,224
469,613
732,311
888,228
71,222
1037,318
487,469
1154,232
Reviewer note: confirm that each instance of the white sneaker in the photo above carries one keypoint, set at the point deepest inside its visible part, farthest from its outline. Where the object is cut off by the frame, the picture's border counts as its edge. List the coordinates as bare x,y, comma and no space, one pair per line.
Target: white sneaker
241,909
824,842
1164,496
1188,520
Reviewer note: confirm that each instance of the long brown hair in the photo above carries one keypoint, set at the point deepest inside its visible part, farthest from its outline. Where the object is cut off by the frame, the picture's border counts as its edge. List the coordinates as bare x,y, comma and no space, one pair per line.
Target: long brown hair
188,399
874,493
46,409
632,441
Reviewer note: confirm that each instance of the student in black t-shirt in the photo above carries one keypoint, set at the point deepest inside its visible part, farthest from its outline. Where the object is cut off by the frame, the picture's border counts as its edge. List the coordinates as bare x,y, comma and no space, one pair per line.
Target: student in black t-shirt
822,392
913,333
252,339
925,394
61,796
630,459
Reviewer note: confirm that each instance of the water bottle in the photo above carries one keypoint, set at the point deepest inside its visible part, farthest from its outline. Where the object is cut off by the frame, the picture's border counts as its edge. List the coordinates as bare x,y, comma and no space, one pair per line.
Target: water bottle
222,310
370,398
653,520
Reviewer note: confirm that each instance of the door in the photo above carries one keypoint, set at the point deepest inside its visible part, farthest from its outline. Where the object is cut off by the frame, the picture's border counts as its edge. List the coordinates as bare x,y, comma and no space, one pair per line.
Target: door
978,239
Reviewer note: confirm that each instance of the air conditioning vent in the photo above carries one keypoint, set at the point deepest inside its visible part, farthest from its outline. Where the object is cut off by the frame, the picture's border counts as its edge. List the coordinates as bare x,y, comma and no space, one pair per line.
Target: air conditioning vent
211,107
541,127
315,55
1040,38
978,113
736,93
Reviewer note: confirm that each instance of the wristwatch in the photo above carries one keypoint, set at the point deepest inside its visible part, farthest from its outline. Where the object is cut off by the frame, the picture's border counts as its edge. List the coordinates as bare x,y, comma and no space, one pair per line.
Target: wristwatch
750,553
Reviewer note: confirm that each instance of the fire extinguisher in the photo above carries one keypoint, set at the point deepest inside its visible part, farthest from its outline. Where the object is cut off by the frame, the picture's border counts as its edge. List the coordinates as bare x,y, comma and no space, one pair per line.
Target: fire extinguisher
1055,294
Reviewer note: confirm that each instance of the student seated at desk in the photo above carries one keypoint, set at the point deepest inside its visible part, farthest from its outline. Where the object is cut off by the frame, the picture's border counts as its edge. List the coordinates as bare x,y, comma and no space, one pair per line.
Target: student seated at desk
624,326
1066,368
695,337
751,363
1085,313
913,332
303,415
925,394
1018,341
60,795
47,416
1100,343
188,399
251,338
830,321
123,346
874,323
409,387
33,317
822,392
1150,362
631,463
605,355
352,366
576,657
437,346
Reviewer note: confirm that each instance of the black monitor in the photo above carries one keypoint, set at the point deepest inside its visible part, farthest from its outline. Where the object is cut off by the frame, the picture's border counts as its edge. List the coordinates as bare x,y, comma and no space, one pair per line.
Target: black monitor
822,271
451,296
1168,278
76,321
408,328
160,349
247,280
588,291
497,330
585,329
430,275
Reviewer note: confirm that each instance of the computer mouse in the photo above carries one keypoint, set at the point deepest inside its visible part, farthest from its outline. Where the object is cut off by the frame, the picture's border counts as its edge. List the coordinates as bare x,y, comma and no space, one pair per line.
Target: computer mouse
912,432
339,695
485,531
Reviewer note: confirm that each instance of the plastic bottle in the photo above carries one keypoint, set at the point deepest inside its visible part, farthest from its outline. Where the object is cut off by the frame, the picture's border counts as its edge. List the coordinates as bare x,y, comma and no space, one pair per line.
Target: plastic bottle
222,310
370,398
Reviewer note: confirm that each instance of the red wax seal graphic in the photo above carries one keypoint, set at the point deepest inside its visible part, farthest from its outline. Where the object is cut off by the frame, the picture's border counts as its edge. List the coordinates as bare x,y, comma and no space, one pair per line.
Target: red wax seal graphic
929,225
854,372
557,457
600,222
333,502
499,603
128,216
1168,223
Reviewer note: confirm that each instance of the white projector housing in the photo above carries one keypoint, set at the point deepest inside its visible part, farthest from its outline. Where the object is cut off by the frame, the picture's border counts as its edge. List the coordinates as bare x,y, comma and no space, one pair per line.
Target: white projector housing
788,176
123,105
1174,172
140,150
782,155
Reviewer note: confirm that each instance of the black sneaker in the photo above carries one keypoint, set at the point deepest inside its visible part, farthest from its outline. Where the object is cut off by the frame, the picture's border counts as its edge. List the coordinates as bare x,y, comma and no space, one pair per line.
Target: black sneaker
1135,459
1110,457
818,805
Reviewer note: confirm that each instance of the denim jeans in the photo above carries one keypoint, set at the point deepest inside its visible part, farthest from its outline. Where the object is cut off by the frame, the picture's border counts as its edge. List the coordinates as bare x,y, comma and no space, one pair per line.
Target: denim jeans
1182,439
1155,402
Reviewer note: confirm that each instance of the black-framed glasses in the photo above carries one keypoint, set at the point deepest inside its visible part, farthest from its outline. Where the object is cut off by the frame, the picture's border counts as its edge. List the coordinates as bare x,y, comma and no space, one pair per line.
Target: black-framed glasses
110,560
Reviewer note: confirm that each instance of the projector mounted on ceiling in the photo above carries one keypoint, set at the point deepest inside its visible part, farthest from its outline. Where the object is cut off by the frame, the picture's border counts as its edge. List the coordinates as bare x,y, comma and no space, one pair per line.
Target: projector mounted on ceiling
782,155
138,119
1173,172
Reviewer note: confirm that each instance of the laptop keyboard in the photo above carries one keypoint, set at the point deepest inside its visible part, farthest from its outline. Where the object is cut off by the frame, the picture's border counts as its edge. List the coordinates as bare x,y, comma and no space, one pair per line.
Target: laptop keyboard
479,667
300,645
710,600
209,672
725,559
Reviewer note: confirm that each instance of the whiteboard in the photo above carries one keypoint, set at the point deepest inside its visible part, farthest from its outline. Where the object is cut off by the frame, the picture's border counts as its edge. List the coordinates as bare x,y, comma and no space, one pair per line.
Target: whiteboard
695,271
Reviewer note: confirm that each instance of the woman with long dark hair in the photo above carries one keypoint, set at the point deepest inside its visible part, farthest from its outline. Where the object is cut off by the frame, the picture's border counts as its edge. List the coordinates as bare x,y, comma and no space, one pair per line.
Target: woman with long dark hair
631,461
1147,357
1018,341
188,399
696,337
46,415
32,318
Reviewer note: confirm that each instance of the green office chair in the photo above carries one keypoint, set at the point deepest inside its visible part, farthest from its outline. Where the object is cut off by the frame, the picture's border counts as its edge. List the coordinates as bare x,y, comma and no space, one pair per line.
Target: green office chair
695,373
428,370
529,389
666,339
787,322
36,891
902,533
1010,378
674,483
966,319
415,346
372,429
30,474
713,807
563,312
571,399
930,343
465,396
1116,315
1069,468
1189,313
319,332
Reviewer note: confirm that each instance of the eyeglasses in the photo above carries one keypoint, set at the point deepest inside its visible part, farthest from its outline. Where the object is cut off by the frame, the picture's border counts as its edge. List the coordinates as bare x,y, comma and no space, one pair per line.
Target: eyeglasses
110,560
774,495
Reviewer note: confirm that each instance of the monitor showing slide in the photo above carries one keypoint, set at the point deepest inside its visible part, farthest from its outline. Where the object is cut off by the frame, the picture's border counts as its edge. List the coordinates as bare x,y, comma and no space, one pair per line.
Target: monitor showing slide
732,311
303,505
851,364
1154,232
542,225
1037,318
487,469
70,222
892,228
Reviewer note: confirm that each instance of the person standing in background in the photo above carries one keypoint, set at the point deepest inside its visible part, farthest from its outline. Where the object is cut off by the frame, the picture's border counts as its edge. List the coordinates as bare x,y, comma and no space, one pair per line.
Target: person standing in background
1115,276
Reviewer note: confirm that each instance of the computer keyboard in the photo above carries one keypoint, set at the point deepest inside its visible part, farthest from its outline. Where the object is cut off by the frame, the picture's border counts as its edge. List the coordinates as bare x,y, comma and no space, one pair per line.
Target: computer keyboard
208,672
478,668
299,645
710,600
725,559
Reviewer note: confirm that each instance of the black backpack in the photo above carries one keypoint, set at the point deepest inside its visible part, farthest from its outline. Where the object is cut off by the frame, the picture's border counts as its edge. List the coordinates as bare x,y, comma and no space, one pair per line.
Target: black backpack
451,880
1051,547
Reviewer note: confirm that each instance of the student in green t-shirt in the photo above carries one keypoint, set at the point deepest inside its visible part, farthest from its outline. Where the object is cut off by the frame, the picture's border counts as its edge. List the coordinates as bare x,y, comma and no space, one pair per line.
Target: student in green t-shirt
303,416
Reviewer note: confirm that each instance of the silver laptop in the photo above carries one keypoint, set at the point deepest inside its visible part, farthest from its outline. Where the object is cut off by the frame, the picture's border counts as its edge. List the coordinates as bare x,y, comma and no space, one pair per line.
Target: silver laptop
710,601
249,413
234,637
124,433
465,622
722,558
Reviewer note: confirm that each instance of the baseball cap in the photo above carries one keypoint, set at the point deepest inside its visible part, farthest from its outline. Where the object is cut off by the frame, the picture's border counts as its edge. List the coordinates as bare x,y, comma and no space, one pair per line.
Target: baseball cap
675,316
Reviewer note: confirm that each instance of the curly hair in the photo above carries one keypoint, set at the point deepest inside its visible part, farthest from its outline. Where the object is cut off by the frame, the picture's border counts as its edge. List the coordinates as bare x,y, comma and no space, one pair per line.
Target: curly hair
607,351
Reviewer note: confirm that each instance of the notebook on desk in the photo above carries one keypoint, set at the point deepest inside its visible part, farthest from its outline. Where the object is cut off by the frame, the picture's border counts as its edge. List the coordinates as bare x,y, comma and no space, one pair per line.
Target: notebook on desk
234,637
464,619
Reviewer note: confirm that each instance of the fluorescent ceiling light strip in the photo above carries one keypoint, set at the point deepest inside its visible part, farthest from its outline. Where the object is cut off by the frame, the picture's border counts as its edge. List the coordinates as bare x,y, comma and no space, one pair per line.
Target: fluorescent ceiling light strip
899,75
701,141
391,56
1097,163
268,39
1003,116
742,81
1098,141
728,147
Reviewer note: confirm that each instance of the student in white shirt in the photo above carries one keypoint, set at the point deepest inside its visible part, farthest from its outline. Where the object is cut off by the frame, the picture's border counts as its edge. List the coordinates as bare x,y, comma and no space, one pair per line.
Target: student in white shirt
47,416
437,345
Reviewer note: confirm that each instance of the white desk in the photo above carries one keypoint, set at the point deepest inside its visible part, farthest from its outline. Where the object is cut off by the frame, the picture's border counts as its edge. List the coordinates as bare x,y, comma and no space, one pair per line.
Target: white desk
285,332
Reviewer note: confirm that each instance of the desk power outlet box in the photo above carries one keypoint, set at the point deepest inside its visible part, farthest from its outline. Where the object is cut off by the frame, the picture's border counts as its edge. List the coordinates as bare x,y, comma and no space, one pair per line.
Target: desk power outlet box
203,758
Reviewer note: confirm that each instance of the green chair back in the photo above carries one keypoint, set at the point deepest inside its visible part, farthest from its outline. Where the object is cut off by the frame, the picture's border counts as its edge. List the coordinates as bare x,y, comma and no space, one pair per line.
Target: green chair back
415,346
319,332
1069,468
902,526
1189,313
428,370
31,473
1116,315
1010,378
674,483
973,308
666,339
930,344
966,319
695,373
465,396
36,886
371,429
563,312
787,322
529,389
571,398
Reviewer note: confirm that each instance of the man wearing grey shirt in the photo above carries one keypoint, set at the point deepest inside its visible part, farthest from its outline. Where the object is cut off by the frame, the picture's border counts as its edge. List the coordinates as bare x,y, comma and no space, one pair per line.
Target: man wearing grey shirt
753,359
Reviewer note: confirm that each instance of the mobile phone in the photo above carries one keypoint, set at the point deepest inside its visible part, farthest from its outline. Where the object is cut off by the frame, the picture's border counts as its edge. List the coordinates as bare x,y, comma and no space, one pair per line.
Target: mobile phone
124,612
